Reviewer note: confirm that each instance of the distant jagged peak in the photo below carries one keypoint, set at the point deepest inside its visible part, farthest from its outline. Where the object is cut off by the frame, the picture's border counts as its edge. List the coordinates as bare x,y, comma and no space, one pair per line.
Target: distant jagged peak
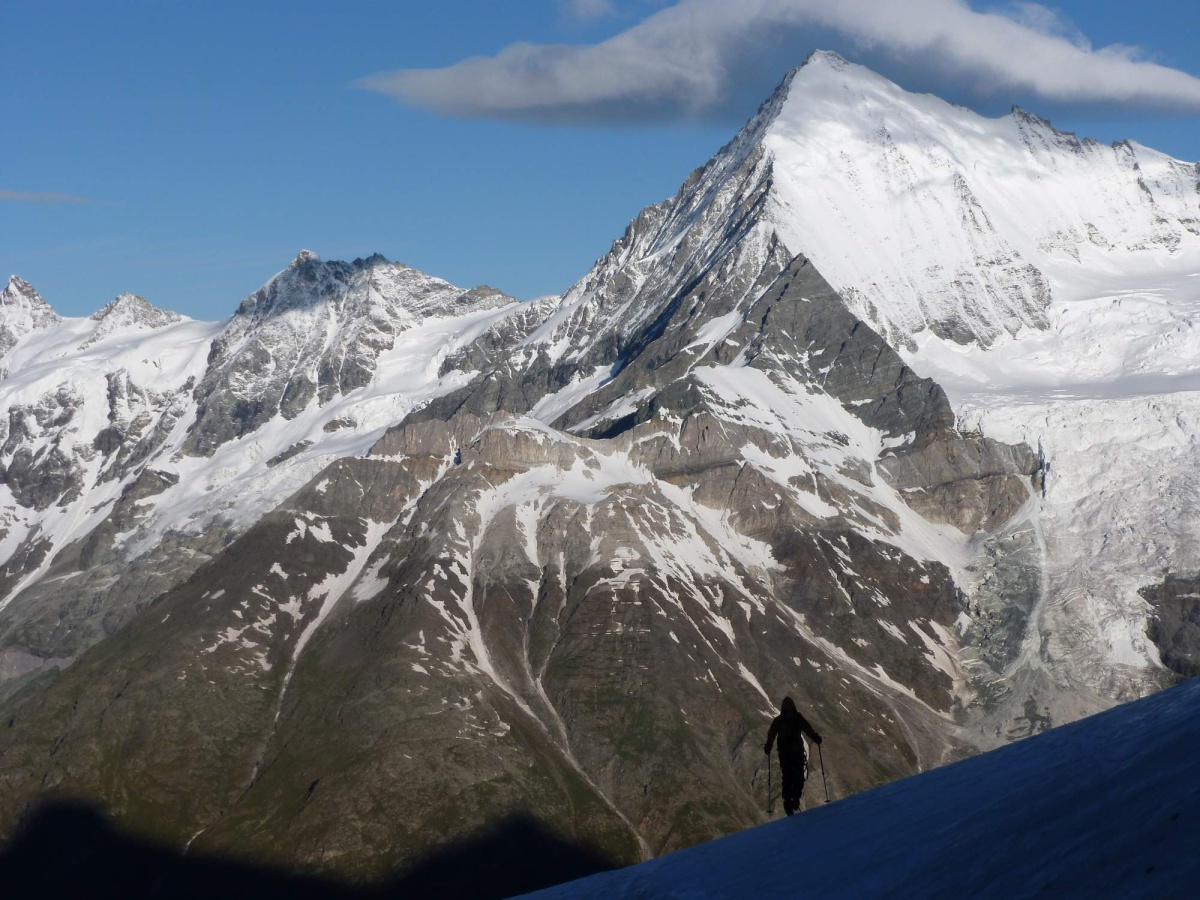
487,291
374,260
22,311
16,284
133,309
19,299
128,313
314,332
305,282
309,283
309,258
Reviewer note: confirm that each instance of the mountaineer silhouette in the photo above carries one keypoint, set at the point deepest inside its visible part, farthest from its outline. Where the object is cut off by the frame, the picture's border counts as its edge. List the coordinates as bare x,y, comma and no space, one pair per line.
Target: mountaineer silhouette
787,727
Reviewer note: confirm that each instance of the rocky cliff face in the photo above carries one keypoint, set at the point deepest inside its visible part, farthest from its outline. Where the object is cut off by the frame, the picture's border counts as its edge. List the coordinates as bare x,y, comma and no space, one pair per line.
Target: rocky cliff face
1175,623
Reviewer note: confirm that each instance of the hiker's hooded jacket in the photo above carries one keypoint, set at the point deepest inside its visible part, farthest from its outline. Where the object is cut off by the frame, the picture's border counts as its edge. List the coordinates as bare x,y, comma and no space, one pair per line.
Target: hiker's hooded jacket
787,727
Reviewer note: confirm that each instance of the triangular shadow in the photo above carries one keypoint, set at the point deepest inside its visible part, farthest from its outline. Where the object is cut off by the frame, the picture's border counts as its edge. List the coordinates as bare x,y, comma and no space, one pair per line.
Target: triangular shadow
72,850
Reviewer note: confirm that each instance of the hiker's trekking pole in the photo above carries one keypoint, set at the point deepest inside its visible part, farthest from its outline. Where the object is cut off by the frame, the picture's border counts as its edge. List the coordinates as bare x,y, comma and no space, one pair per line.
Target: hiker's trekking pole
821,756
770,799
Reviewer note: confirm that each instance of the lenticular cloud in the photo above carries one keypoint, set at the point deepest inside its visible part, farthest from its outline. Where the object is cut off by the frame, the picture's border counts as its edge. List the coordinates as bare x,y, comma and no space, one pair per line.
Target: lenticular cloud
685,60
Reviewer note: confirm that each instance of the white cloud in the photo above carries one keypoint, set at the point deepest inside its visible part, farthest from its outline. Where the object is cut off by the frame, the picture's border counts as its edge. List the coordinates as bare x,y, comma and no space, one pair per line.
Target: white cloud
42,197
685,60
1047,21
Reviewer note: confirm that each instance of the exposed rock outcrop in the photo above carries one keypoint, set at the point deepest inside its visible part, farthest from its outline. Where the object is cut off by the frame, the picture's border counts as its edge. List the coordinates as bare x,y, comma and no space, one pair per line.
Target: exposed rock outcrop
1175,623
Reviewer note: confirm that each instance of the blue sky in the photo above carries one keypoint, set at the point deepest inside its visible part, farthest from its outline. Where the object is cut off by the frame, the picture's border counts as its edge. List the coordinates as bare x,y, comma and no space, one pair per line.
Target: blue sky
215,140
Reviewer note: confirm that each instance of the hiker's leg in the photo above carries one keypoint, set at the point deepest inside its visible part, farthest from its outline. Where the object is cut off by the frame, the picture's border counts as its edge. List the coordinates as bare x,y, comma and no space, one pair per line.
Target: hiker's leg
792,783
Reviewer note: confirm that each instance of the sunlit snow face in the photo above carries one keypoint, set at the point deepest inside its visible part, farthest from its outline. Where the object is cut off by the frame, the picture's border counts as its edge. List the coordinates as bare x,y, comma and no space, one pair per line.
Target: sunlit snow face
927,215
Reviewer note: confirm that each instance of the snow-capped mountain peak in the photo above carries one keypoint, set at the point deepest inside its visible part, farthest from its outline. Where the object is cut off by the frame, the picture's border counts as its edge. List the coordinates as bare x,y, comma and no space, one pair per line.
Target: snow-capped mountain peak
973,224
18,287
129,313
931,220
22,310
314,331
978,247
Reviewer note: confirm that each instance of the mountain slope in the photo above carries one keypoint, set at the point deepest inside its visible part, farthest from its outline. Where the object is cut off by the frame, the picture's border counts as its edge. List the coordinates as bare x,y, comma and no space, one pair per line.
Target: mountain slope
513,617
1102,807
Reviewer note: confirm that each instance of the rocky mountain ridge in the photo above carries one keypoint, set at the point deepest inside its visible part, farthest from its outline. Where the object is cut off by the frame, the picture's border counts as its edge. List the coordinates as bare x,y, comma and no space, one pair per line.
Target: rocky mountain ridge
107,503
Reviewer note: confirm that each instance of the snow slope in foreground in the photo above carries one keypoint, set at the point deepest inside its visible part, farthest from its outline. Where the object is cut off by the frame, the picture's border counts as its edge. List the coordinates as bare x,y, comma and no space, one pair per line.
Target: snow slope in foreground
1108,806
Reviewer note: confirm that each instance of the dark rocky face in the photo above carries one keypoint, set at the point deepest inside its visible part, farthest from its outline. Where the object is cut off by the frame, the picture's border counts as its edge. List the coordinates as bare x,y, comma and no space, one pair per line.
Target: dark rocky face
1175,623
